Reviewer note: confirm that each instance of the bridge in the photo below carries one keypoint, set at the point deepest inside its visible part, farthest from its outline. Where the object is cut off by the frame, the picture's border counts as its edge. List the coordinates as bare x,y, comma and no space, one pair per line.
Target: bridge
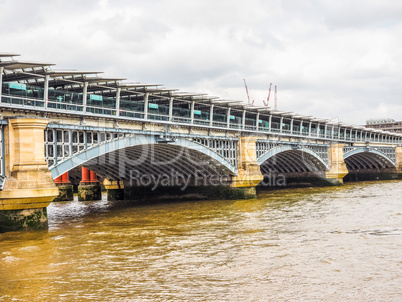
138,138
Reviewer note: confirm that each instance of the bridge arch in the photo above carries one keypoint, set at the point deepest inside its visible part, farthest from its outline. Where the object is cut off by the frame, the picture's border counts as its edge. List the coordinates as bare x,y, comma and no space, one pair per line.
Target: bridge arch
291,158
147,155
363,158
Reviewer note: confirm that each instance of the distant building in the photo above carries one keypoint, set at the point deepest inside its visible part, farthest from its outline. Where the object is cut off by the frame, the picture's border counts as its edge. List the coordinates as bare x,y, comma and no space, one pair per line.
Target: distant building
385,124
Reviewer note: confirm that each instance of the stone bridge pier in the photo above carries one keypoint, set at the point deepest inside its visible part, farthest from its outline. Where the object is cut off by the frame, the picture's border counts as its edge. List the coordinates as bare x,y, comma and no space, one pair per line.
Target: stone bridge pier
29,188
338,169
399,161
249,174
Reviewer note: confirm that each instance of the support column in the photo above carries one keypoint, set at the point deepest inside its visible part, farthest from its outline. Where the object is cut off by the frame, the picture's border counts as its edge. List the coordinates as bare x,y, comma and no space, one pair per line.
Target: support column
1,81
89,187
249,174
398,151
84,97
46,91
29,186
192,112
270,123
118,91
337,165
171,109
228,118
211,115
92,177
257,121
115,189
66,192
146,106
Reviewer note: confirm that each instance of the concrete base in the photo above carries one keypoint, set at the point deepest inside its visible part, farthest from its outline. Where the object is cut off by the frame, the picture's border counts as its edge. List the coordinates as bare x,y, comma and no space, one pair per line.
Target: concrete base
190,193
89,192
297,180
28,219
374,175
66,193
115,189
334,181
115,194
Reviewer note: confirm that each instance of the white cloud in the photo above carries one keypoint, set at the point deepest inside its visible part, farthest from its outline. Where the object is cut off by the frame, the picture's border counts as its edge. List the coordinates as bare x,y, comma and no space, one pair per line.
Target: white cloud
329,59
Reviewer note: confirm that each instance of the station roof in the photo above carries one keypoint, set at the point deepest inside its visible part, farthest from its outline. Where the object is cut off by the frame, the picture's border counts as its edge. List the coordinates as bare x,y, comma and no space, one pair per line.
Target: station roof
2,55
73,80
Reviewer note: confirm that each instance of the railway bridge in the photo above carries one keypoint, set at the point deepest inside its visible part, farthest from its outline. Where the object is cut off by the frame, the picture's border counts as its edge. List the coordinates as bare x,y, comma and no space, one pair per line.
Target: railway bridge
138,138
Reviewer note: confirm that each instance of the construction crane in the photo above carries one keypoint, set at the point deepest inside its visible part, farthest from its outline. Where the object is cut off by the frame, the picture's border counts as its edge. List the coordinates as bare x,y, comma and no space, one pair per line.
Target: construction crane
276,101
251,103
269,93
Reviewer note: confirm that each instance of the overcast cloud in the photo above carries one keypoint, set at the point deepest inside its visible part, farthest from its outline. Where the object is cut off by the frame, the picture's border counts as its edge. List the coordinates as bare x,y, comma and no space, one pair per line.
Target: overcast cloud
332,59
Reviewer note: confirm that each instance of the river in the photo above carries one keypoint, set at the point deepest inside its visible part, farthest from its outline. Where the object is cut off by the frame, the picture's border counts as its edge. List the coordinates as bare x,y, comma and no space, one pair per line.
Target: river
306,244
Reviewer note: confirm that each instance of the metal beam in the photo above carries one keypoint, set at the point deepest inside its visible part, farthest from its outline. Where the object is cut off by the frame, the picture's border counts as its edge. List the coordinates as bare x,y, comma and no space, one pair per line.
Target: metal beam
84,96
118,101
1,81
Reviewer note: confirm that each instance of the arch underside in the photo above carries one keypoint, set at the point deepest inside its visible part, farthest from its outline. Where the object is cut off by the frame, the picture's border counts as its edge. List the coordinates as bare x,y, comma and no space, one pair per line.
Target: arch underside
154,161
292,161
119,159
367,161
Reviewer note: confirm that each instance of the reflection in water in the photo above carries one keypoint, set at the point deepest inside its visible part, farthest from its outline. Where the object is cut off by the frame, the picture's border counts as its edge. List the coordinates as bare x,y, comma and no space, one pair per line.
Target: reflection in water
310,244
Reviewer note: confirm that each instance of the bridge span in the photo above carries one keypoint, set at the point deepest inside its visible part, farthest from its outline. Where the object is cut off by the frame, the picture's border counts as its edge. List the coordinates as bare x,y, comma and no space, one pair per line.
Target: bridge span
140,137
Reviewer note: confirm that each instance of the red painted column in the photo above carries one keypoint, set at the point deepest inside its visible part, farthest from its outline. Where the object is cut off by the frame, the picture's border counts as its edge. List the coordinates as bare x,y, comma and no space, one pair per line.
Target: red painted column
58,180
65,178
85,175
93,177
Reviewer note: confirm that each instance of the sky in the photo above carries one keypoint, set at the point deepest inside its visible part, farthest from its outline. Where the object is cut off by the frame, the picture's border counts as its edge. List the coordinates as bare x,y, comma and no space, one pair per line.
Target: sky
332,59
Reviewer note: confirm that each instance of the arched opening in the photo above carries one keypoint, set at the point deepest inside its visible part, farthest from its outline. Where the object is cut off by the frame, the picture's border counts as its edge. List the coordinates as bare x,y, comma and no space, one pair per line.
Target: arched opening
284,166
158,164
368,165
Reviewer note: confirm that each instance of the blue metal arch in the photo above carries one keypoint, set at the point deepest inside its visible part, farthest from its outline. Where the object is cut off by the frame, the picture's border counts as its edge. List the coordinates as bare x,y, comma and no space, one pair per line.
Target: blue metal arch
125,142
284,148
372,151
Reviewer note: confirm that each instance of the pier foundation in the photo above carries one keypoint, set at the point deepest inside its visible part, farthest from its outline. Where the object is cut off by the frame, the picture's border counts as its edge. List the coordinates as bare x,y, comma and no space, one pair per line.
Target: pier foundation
89,188
249,173
29,187
338,169
66,191
115,189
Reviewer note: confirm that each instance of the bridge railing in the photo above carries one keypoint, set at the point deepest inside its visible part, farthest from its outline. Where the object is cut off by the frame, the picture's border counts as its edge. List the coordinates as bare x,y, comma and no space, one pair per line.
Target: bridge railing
181,120
64,106
132,114
158,117
219,124
200,122
23,101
